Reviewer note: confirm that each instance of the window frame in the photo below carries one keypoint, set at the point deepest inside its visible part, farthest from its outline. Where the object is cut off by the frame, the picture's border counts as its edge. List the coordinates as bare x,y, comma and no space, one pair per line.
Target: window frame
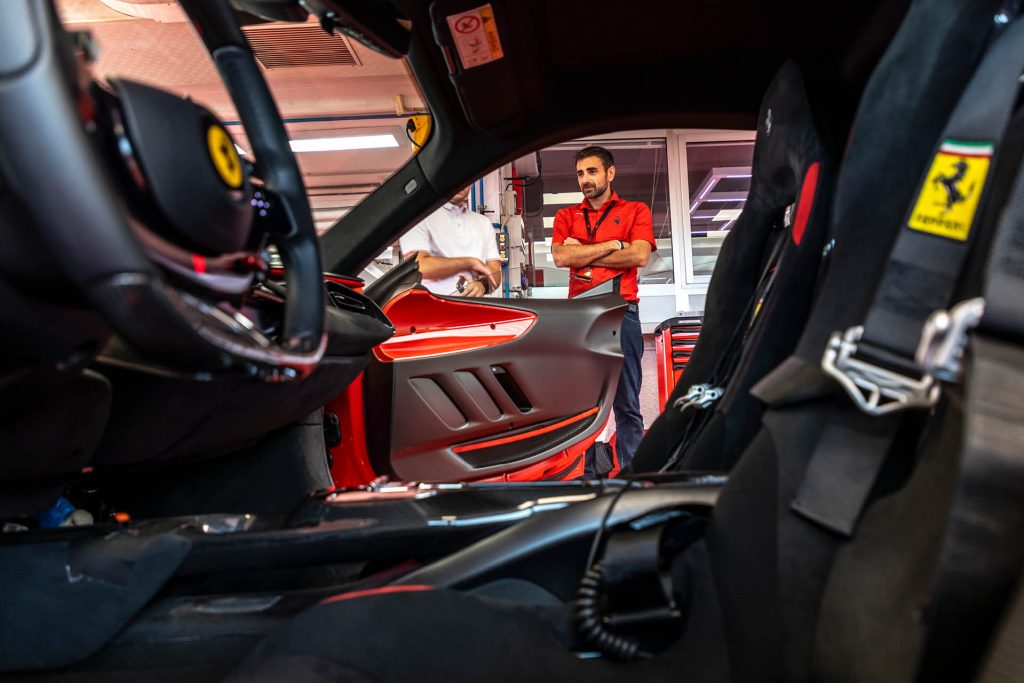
685,282
681,139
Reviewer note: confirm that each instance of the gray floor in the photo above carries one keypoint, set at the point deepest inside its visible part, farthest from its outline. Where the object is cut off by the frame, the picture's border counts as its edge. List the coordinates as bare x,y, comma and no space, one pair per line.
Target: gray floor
649,405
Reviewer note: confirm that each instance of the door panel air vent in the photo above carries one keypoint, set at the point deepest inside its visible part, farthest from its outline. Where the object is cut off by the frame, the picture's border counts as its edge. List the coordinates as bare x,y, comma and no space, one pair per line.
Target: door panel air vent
512,388
478,394
281,47
439,402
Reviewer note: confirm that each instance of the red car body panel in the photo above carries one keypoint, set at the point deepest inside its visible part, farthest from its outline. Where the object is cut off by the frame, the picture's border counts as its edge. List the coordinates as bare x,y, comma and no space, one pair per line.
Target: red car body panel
355,283
351,460
525,435
426,326
562,466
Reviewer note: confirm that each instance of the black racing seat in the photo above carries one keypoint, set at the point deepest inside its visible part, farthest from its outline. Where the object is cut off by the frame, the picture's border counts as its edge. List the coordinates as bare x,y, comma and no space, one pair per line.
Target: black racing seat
762,287
766,594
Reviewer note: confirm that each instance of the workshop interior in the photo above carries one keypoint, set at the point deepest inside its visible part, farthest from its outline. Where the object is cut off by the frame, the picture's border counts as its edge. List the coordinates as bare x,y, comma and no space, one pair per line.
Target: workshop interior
247,432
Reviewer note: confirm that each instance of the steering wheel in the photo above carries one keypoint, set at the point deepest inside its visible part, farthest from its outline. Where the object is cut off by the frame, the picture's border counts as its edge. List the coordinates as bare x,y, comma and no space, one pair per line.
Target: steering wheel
143,201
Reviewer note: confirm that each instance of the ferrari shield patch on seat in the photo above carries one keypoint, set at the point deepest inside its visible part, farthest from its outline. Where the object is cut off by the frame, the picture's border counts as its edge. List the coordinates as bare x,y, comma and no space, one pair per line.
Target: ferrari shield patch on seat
949,198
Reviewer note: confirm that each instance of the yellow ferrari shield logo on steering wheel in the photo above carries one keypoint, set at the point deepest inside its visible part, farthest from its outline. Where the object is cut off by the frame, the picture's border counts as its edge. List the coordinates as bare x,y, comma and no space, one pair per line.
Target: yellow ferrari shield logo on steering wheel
224,156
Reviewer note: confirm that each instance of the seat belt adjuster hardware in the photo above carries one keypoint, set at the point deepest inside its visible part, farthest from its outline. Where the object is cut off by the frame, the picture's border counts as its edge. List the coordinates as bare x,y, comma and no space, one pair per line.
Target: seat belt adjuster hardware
875,390
700,396
944,339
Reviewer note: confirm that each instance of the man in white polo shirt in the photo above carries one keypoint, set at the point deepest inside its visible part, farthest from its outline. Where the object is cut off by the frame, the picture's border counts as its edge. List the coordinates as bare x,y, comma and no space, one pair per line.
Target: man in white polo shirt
456,250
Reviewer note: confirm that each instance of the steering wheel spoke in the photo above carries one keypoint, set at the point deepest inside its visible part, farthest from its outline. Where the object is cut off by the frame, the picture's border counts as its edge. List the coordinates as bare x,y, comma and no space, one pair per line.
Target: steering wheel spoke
157,221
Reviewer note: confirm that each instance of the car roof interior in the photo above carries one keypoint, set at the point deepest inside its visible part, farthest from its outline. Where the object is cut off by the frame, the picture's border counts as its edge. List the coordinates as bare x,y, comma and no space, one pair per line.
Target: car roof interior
576,68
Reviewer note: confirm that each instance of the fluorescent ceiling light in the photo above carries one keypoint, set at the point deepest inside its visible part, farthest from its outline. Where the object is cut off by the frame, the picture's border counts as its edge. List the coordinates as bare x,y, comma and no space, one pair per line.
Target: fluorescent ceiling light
341,144
563,197
727,215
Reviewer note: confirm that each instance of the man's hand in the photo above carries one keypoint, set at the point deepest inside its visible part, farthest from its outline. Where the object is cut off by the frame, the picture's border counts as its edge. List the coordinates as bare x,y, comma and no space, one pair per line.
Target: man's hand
437,267
572,253
633,255
478,268
474,289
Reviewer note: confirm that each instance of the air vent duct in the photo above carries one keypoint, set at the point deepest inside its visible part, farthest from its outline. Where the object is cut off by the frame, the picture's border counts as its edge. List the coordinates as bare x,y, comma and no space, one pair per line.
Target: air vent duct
283,47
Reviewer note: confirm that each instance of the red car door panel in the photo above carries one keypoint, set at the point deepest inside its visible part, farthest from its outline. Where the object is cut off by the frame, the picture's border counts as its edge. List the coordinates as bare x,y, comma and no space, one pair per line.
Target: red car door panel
472,389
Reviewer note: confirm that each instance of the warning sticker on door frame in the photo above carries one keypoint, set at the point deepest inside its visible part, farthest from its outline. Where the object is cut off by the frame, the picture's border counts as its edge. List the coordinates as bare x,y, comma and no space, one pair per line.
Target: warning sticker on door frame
476,36
952,188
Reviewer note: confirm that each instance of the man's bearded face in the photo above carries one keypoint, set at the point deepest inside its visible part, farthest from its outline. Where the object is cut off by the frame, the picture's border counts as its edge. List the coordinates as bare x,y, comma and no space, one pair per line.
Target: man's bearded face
592,176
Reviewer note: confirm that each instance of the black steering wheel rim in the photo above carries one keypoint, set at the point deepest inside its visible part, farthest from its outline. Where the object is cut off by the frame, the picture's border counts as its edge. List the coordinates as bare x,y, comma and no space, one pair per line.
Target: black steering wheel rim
79,210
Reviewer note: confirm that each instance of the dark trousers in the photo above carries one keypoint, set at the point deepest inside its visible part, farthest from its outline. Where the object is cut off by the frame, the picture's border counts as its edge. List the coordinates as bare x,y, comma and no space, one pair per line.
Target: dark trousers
629,423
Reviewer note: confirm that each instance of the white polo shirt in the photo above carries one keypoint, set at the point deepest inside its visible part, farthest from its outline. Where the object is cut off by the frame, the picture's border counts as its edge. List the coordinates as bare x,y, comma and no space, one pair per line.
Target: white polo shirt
452,232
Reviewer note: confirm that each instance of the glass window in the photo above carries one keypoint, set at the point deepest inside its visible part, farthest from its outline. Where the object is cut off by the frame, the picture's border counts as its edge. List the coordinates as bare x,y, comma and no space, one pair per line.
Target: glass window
718,174
641,174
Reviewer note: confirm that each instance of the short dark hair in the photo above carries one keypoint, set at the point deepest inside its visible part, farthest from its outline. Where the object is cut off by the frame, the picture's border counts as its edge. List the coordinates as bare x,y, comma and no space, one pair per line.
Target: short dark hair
595,151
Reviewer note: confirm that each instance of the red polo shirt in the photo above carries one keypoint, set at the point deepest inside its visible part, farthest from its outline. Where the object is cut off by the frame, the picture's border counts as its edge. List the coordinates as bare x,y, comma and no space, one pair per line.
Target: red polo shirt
626,221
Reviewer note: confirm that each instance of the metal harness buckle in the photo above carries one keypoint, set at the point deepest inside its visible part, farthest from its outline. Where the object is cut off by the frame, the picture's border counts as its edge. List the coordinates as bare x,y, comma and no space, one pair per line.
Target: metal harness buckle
879,391
875,390
945,337
700,396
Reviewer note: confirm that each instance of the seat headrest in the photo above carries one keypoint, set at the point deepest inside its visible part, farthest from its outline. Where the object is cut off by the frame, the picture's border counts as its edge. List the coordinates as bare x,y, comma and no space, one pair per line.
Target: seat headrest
788,141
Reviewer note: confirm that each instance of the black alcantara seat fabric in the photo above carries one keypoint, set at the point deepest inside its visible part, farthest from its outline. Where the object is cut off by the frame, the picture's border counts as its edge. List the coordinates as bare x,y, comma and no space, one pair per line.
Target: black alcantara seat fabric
769,595
816,606
761,289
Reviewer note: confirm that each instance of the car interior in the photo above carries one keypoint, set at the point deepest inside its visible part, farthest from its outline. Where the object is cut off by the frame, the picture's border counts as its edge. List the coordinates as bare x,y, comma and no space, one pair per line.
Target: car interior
832,492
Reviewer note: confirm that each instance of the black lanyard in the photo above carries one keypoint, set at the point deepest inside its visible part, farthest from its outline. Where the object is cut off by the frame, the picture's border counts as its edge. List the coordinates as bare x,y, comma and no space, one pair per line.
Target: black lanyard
586,219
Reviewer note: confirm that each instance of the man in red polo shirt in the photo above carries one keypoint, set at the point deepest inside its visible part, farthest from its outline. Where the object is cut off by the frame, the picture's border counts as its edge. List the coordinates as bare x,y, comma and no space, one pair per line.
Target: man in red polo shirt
597,240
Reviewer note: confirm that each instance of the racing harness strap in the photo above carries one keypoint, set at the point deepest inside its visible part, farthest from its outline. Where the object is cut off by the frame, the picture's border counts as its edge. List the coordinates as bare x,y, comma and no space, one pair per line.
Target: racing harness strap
701,397
982,554
875,363
1005,662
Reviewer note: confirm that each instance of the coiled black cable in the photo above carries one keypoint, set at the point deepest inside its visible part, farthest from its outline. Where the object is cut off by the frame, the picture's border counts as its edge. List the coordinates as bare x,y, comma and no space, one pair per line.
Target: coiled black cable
590,618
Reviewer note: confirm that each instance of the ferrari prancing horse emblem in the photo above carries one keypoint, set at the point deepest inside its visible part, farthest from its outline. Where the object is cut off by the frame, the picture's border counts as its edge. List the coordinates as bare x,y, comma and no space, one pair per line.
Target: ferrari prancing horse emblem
224,156
948,200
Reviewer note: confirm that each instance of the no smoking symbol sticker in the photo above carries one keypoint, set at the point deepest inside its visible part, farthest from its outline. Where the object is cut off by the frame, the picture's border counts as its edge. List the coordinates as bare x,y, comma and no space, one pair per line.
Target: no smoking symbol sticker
467,24
475,34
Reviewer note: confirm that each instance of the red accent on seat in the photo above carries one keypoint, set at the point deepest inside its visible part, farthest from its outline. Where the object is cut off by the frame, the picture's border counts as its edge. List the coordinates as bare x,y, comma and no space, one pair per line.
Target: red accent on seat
198,263
376,591
803,209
